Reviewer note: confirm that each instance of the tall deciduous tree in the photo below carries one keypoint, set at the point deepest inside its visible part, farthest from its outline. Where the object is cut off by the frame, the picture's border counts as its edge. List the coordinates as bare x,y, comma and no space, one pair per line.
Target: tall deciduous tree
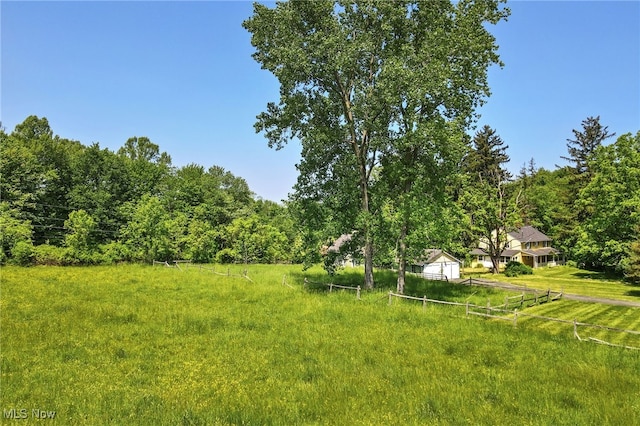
351,72
147,166
611,201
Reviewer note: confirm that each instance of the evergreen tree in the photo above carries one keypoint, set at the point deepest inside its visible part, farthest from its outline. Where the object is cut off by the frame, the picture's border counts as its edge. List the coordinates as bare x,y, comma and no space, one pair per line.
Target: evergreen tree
488,199
582,148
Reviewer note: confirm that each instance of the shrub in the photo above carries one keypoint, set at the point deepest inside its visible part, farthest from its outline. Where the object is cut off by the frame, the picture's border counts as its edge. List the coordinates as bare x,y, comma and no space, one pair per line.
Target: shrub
513,269
114,252
46,254
22,253
226,255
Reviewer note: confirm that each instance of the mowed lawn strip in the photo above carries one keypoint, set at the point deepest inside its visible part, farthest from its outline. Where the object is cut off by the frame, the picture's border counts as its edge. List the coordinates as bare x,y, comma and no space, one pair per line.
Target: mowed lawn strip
572,280
141,345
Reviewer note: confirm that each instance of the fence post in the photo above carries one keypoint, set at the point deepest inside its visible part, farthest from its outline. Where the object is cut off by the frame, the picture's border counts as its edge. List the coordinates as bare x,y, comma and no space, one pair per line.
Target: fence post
575,329
424,302
358,292
330,287
390,296
506,302
515,317
548,295
228,271
304,284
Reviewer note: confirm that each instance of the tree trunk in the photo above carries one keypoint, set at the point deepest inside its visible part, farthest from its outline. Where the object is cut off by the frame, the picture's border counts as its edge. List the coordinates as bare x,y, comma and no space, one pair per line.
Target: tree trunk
495,261
368,261
368,238
402,258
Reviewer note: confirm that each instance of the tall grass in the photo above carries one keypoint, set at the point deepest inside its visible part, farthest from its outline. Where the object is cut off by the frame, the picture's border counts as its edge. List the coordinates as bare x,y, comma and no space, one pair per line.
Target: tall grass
142,345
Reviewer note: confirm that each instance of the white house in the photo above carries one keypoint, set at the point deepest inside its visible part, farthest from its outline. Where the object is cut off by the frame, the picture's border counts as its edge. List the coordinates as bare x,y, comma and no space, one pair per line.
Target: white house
436,264
526,245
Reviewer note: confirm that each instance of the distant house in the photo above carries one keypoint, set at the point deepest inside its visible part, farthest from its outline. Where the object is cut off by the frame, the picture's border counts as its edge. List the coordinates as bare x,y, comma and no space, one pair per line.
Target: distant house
436,264
526,245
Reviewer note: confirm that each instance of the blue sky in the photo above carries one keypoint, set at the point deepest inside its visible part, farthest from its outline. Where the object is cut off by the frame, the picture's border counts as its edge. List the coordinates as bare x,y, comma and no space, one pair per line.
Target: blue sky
181,73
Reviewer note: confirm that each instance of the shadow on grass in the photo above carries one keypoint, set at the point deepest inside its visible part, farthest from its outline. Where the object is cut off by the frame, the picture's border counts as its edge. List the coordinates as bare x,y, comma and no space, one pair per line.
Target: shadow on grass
595,275
634,293
386,280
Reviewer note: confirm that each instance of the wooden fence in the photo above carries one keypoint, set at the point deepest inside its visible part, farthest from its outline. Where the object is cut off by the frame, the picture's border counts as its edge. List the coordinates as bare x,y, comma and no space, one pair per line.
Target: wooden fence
535,297
172,264
332,286
188,265
432,277
501,313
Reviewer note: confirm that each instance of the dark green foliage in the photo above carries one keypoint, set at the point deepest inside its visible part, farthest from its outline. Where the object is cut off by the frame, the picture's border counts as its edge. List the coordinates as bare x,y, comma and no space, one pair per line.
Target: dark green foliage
632,272
513,269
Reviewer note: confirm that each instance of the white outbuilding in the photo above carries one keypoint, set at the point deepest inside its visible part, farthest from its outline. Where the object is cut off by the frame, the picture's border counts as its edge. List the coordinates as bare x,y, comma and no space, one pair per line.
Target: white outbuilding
437,265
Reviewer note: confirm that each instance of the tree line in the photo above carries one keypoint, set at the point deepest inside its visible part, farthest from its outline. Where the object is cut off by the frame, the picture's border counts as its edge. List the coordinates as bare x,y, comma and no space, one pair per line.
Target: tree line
67,203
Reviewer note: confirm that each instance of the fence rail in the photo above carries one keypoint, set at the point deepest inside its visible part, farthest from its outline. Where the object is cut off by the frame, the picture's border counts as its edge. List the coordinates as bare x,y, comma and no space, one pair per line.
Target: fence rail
332,286
433,277
189,265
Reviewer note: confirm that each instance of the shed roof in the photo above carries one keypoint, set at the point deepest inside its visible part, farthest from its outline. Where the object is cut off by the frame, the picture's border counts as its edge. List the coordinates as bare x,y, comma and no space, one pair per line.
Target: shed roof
431,255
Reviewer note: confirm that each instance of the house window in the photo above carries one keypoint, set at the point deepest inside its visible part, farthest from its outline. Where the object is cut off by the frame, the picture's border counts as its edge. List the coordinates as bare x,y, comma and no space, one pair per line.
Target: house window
480,258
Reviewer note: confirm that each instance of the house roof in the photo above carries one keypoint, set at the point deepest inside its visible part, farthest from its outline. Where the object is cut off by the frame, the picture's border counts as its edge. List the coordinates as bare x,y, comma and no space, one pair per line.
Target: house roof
478,252
528,234
338,243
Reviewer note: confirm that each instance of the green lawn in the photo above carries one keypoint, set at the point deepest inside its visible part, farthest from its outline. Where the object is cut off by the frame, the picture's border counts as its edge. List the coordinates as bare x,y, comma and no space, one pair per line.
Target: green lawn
571,280
153,346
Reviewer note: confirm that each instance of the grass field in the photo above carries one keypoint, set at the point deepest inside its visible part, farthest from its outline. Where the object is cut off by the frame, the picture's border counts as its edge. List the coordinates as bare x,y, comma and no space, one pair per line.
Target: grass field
571,280
153,346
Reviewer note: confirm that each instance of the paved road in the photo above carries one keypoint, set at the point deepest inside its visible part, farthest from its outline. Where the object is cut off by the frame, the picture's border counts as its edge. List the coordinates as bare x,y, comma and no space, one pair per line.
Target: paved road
568,296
